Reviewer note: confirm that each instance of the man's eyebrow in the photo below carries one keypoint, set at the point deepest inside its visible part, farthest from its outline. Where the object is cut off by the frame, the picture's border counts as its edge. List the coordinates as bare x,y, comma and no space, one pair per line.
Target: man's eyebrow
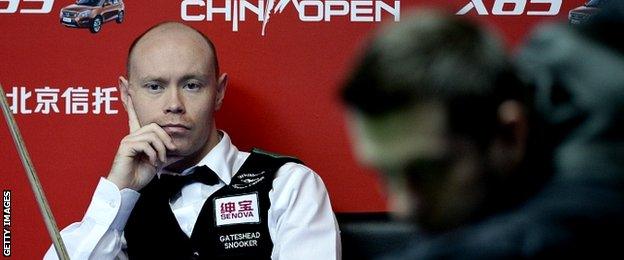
200,77
149,78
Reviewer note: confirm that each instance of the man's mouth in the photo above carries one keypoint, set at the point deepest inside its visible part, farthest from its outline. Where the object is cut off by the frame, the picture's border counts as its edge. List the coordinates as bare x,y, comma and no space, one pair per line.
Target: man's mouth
175,129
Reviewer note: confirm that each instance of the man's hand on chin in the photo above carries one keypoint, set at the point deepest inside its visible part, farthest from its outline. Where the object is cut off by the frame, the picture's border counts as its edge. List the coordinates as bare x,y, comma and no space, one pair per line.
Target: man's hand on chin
141,153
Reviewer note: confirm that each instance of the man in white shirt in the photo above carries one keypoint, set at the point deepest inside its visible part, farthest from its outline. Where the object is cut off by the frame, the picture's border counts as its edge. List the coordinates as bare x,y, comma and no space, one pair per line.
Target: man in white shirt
248,205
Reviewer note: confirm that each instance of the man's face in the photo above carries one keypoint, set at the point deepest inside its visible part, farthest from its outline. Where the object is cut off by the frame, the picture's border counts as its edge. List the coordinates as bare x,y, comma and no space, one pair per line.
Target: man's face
431,176
172,83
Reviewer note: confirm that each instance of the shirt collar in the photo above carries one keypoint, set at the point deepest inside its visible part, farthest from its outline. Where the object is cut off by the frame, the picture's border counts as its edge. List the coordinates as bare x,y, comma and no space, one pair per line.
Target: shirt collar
220,159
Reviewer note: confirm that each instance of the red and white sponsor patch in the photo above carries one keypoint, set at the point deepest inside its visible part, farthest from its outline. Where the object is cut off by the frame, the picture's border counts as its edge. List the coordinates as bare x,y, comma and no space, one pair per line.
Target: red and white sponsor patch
237,209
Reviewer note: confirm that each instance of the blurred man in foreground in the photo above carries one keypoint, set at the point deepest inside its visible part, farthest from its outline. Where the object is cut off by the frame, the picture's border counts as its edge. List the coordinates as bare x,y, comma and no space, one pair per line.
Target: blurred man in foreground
436,107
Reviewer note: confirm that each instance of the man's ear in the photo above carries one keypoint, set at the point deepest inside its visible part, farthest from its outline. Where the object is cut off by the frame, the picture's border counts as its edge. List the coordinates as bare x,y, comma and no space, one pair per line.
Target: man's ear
509,146
221,87
124,89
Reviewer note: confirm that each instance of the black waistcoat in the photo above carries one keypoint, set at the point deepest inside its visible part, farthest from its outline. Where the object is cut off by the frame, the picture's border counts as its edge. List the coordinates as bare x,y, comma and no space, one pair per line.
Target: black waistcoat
232,223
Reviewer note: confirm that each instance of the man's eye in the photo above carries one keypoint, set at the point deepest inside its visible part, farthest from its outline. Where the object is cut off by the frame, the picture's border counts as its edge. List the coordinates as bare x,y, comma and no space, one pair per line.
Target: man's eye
192,86
153,87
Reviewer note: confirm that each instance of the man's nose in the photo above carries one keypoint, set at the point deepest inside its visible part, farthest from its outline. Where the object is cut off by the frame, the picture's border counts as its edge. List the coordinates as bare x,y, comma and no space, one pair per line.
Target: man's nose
174,101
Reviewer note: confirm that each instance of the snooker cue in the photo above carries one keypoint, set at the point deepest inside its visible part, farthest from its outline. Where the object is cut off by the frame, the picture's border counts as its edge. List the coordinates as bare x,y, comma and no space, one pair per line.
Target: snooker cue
44,207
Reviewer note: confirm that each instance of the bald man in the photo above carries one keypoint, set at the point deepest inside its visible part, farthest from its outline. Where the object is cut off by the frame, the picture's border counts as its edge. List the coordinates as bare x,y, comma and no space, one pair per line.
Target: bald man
208,200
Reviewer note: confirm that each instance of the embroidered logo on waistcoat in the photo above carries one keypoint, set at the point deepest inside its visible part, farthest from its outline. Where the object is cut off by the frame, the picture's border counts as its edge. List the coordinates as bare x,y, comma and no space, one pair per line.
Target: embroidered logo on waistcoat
238,209
246,180
240,240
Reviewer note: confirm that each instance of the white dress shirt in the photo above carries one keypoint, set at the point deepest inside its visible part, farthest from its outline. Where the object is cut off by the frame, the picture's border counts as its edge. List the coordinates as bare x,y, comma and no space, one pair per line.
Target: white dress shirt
301,221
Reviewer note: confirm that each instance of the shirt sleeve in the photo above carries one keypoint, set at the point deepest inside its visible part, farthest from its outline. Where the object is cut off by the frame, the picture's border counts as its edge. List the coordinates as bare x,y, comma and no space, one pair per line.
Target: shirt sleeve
100,233
302,224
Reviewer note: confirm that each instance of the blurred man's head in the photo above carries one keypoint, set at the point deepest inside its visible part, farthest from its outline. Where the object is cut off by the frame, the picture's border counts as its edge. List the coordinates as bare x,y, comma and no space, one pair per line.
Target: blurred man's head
173,81
435,107
578,76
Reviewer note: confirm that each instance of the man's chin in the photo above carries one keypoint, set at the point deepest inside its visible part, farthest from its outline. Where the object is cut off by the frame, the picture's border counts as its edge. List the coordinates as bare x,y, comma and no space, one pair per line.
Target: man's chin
184,148
180,153
182,158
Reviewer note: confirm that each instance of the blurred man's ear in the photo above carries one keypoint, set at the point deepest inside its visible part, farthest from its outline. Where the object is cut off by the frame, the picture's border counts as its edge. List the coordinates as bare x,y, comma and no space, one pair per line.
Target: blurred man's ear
124,88
509,145
221,87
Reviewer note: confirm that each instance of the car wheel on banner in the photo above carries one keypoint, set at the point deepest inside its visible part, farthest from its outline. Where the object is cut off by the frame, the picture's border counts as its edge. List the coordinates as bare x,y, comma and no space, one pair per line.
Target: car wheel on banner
96,25
120,17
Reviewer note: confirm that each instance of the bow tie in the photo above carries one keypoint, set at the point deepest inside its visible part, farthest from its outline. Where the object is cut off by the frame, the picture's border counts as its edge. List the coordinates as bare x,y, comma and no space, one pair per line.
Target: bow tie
172,184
